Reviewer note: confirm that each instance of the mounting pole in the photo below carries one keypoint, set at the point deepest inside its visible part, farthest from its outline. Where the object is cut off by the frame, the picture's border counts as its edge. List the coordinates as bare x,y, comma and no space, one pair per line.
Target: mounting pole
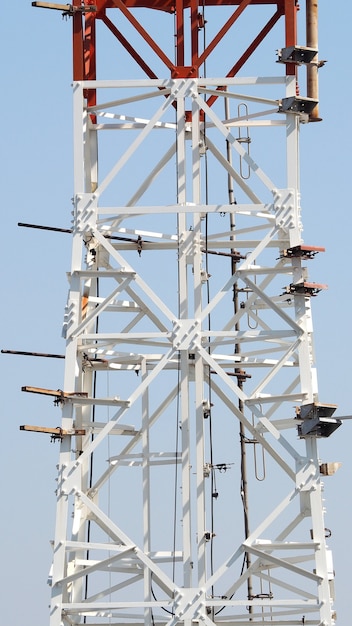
313,68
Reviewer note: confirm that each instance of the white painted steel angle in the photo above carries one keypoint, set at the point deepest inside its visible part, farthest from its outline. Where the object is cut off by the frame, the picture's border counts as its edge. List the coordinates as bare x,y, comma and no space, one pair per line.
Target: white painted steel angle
233,173
102,306
269,559
229,402
239,96
96,565
251,302
135,144
284,585
138,280
236,145
253,256
287,396
72,472
128,100
286,318
164,404
276,367
258,209
151,177
276,434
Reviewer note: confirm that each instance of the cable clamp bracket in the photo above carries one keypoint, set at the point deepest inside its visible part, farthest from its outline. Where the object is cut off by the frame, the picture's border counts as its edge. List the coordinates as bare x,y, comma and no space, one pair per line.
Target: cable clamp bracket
304,289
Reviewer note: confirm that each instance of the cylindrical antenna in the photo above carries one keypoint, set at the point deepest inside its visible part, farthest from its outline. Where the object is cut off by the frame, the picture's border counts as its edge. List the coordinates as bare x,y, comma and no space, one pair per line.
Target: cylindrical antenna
312,68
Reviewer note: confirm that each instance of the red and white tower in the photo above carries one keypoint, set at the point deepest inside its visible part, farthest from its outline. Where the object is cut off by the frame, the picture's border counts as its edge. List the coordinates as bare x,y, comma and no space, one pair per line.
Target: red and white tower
189,481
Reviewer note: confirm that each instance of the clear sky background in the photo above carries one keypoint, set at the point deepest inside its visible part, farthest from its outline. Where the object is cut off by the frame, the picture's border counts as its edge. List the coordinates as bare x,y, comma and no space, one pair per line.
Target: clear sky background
36,173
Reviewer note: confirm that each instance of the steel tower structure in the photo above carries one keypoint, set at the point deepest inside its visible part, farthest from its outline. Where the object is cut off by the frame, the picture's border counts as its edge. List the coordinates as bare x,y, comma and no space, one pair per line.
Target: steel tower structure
189,481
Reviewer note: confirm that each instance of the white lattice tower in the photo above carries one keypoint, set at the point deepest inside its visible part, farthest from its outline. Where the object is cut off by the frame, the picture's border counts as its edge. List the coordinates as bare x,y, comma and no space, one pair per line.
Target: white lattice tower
188,321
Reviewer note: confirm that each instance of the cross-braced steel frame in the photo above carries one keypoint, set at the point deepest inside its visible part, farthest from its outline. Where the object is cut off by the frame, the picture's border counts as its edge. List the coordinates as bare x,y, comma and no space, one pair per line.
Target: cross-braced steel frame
190,399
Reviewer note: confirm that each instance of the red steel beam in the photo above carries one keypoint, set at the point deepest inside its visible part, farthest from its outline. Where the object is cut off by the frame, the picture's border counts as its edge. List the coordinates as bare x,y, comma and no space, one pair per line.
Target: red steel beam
222,32
255,43
290,11
77,43
194,36
90,68
84,45
245,56
128,47
169,5
139,28
180,33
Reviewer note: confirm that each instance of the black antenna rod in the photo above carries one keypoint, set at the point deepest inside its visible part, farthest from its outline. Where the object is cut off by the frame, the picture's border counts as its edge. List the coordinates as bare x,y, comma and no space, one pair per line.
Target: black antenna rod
69,231
41,354
57,230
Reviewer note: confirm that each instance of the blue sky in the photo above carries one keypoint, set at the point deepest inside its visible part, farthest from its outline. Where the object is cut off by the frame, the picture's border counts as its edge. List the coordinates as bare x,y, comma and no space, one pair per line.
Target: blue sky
36,151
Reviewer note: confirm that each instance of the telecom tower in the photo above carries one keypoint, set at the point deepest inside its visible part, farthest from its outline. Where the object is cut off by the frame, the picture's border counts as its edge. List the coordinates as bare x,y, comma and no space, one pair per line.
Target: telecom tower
189,482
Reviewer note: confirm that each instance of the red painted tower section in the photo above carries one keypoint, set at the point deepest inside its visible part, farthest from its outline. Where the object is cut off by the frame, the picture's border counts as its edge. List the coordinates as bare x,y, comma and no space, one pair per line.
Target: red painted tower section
187,63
